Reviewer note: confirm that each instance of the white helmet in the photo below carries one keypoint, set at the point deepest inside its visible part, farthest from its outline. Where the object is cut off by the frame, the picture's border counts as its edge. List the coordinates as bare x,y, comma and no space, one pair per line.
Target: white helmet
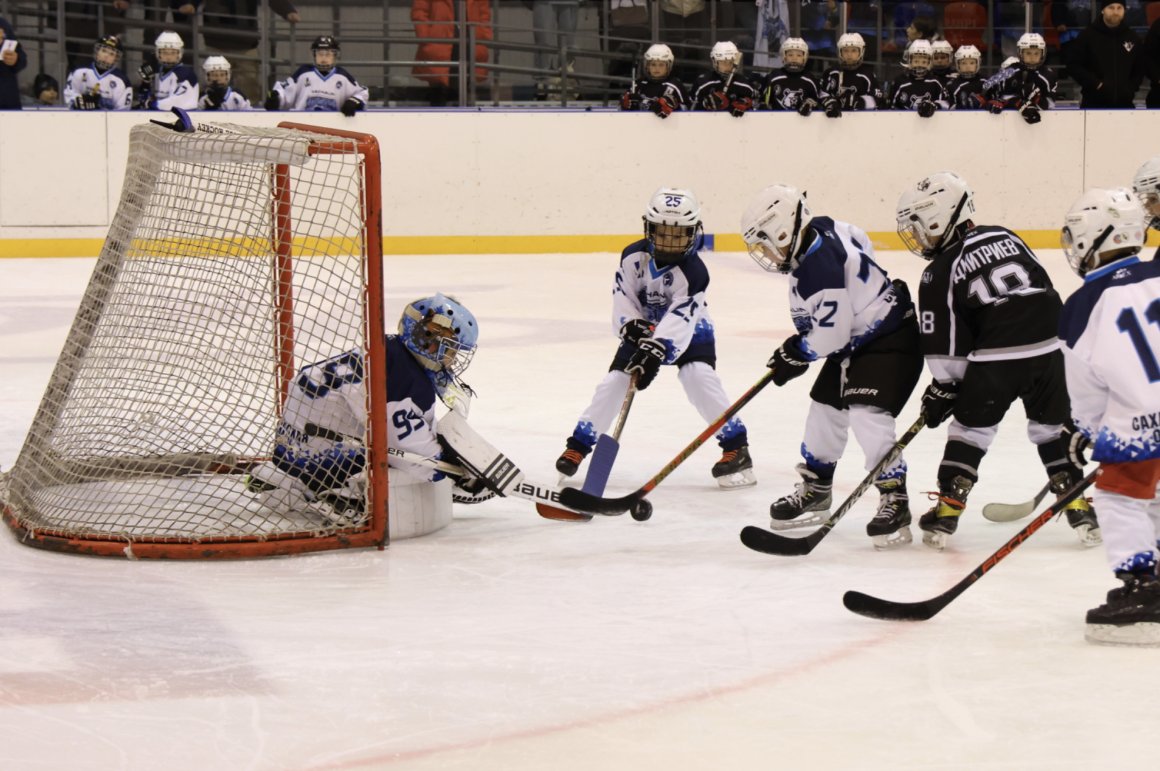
659,52
968,53
941,48
851,40
773,225
794,44
725,51
1100,226
169,41
1146,186
1032,41
672,225
929,212
919,48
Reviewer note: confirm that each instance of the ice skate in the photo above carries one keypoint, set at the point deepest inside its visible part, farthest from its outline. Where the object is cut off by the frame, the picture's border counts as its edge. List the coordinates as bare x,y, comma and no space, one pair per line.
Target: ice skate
890,527
1080,514
808,504
942,520
569,462
1131,615
276,490
735,469
347,502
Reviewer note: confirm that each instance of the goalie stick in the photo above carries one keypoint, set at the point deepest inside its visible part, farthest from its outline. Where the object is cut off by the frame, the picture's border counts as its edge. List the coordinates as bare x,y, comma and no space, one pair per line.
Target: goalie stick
1009,512
766,542
579,500
888,610
607,447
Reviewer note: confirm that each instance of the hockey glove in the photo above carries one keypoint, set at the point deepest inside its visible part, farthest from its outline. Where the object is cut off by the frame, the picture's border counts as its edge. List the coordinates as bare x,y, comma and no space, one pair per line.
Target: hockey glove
630,101
1030,114
351,106
646,362
273,101
994,106
715,101
636,330
1075,443
740,106
938,402
147,70
142,99
788,361
87,101
806,107
926,108
215,96
662,107
832,107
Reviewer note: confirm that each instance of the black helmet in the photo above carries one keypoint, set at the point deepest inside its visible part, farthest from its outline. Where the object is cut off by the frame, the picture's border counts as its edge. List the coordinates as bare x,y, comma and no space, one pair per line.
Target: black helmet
325,43
111,41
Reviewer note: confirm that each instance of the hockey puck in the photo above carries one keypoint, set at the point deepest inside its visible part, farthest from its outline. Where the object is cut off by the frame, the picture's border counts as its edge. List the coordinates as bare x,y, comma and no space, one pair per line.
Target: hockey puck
641,510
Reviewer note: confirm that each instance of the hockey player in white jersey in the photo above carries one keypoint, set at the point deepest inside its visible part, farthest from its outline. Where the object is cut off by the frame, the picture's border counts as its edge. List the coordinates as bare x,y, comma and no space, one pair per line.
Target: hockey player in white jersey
1146,186
661,315
101,85
319,452
219,94
167,83
1110,330
847,311
322,86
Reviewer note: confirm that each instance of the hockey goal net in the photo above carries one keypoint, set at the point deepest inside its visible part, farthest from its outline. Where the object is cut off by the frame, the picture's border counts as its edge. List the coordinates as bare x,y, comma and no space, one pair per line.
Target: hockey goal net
236,256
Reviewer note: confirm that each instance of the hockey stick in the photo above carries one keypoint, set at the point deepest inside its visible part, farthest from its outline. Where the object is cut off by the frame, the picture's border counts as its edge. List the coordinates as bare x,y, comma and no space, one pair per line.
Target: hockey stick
888,610
579,500
607,447
1009,512
762,540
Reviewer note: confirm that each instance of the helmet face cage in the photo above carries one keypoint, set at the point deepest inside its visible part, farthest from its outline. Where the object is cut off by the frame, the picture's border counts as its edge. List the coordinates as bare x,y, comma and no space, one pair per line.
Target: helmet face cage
726,58
1146,186
107,52
169,47
441,333
1103,225
325,50
967,60
773,225
658,61
942,54
851,51
217,71
1032,49
794,54
672,225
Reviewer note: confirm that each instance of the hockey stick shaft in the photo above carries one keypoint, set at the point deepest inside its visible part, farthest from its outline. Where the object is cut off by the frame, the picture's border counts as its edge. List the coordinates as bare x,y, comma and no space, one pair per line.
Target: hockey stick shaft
581,501
608,446
1009,512
874,607
774,543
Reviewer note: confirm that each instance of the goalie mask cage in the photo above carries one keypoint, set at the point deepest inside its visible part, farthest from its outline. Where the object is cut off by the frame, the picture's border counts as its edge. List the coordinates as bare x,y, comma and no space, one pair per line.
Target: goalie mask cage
236,256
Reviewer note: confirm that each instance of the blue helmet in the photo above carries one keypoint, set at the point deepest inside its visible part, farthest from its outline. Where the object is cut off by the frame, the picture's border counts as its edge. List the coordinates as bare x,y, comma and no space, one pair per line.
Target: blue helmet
440,333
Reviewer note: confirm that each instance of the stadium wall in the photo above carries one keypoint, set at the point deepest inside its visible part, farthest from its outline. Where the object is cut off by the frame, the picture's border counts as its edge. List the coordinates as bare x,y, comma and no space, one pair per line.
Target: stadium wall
534,181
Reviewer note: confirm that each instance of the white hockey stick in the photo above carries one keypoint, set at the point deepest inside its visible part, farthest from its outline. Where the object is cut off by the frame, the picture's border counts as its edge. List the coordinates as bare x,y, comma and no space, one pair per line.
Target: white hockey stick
1009,512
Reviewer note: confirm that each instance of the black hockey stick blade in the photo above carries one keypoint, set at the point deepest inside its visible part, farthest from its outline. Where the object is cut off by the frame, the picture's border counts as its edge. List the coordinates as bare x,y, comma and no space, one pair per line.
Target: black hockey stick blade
766,542
575,498
888,610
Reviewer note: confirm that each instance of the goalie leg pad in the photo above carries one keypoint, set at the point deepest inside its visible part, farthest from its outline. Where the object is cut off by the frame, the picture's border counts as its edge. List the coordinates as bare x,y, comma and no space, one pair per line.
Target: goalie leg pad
479,457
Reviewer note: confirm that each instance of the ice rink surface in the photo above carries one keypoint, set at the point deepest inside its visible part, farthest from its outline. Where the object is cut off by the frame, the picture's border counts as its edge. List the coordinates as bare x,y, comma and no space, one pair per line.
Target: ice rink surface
507,641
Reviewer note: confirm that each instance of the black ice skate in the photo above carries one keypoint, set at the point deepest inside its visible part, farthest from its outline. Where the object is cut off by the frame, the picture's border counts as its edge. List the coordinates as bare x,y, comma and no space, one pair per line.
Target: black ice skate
942,520
1131,616
1080,514
808,504
890,526
735,469
569,462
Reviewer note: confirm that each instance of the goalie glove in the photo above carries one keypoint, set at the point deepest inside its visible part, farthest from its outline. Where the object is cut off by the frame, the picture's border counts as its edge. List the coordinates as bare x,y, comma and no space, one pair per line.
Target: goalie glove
636,330
833,108
788,361
471,489
926,108
215,96
646,362
273,101
662,107
806,107
351,106
740,106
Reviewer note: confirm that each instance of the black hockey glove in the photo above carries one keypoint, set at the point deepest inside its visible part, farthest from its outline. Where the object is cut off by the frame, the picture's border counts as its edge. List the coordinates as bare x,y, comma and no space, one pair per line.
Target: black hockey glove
788,361
806,107
938,402
215,96
1075,443
662,107
1030,114
147,70
832,107
715,101
630,101
273,101
351,106
740,106
994,106
636,330
926,108
646,362
87,101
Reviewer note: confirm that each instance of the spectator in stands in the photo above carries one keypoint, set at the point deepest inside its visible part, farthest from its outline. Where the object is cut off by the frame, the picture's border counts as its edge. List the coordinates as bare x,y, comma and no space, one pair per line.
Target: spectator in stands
45,90
12,61
912,21
1106,60
437,19
1152,64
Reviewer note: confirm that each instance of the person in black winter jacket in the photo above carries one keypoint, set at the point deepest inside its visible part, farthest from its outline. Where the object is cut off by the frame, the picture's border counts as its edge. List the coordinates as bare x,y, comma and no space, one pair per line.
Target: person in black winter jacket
1107,60
12,61
1152,63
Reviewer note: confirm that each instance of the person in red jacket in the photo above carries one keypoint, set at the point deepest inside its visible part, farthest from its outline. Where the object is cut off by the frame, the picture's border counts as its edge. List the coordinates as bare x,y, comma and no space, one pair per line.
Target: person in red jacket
437,19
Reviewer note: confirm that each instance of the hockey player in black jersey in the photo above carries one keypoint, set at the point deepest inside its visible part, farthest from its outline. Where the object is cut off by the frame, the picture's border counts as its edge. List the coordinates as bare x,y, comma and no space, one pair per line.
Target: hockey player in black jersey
852,85
1146,186
1029,86
658,92
989,318
790,88
942,55
918,90
966,91
725,87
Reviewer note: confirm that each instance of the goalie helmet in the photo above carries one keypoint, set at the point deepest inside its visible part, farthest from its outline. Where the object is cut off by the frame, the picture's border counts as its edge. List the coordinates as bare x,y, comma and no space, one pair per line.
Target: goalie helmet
967,61
107,51
325,51
773,226
170,48
942,53
441,334
794,54
726,57
660,55
851,51
1102,226
1146,186
1032,49
917,57
672,225
217,70
932,211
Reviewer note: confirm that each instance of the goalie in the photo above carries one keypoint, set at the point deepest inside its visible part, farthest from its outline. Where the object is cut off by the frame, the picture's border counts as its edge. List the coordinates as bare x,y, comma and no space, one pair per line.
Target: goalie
319,453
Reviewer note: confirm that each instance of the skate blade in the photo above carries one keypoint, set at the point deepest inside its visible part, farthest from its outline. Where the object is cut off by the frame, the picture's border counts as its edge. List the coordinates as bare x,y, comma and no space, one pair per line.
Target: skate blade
900,537
1141,635
937,541
809,519
742,478
1088,536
